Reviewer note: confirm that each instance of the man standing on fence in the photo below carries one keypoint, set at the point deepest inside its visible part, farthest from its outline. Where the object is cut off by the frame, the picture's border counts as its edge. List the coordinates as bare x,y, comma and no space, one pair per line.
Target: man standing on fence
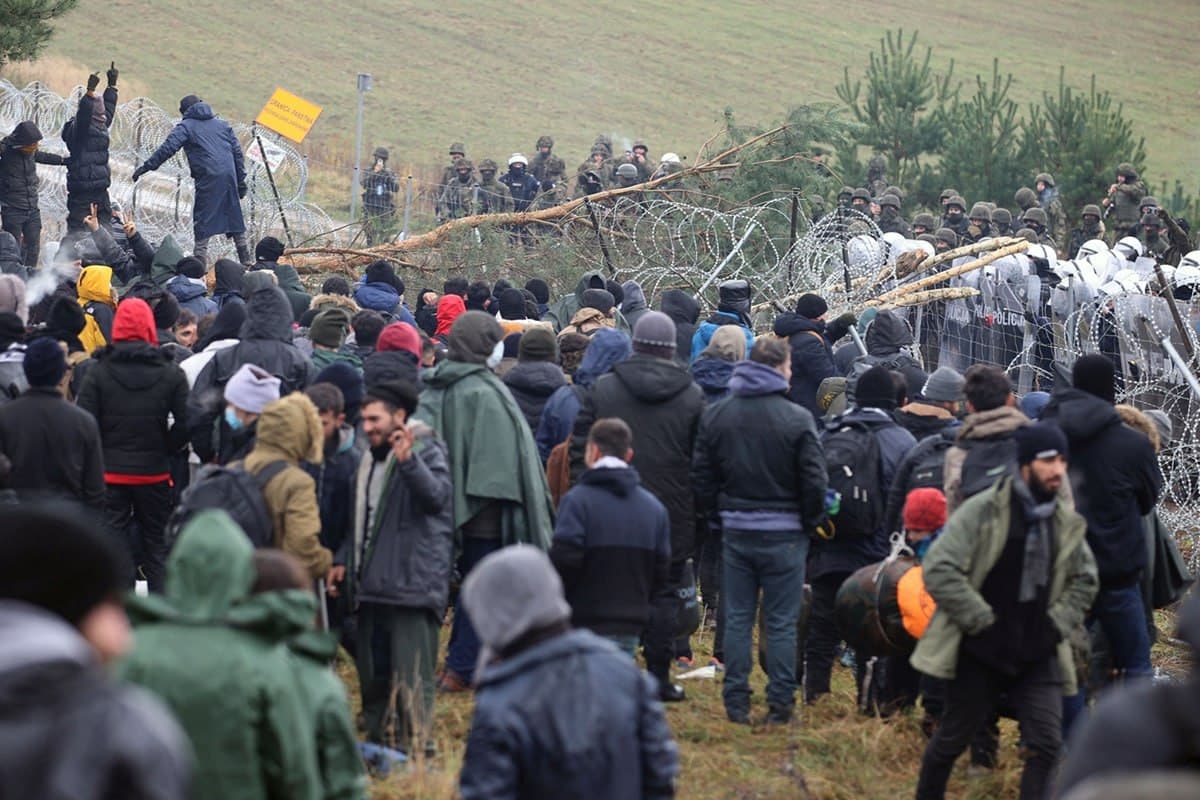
215,159
86,137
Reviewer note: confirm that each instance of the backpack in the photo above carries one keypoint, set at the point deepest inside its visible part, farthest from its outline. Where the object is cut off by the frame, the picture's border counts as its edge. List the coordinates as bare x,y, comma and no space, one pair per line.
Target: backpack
558,470
853,462
929,462
236,491
987,461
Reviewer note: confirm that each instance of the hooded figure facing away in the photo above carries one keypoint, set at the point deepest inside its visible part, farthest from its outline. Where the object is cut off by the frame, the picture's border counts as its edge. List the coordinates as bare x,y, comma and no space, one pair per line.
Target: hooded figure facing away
230,687
733,308
561,313
558,712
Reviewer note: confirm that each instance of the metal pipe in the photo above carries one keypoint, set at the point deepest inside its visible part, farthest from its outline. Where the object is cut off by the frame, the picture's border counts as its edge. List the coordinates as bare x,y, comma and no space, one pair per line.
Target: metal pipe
1174,355
364,86
407,208
858,342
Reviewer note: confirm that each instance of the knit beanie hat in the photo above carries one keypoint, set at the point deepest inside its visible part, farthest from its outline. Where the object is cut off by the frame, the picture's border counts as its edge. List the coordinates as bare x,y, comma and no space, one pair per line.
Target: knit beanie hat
599,299
350,381
399,336
538,344
1162,421
45,362
875,389
382,272
473,337
329,328
924,510
12,329
945,385
190,267
654,334
1033,404
617,291
268,249
57,559
1094,373
811,305
540,289
134,322
252,389
512,345
65,321
1040,440
512,304
12,296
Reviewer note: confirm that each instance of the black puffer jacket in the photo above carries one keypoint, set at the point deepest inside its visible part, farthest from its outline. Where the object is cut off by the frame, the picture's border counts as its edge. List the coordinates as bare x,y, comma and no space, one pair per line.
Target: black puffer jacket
1115,478
130,391
684,311
266,342
87,139
658,400
18,169
531,383
812,355
54,447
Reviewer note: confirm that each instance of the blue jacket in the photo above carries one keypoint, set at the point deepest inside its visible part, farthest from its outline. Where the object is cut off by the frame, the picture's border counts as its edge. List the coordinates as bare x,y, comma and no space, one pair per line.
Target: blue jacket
705,332
572,716
215,159
191,296
383,297
712,376
608,348
612,547
836,555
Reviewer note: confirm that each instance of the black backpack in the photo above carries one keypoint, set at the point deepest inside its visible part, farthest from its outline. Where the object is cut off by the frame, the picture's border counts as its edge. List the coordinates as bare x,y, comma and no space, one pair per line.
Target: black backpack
234,490
929,461
987,461
853,462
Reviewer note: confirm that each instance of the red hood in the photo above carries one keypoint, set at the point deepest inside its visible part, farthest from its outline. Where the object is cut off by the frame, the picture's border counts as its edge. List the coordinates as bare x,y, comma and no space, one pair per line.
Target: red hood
134,322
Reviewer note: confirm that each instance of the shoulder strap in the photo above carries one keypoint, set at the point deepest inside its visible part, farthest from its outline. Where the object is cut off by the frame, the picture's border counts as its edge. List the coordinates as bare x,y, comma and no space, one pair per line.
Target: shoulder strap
267,473
816,335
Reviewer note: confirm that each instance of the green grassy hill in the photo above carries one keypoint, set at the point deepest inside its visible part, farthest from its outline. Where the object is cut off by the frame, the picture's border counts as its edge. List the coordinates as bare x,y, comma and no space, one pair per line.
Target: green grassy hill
498,74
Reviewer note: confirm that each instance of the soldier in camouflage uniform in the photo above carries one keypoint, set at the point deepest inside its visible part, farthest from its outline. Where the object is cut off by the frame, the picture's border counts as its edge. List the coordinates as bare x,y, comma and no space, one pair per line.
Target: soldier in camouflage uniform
956,216
457,151
1056,224
379,188
1090,227
641,159
1035,220
1153,242
860,201
1125,195
945,239
890,220
551,172
494,197
1025,199
979,224
592,175
458,195
1002,222
945,196
923,223
845,194
877,175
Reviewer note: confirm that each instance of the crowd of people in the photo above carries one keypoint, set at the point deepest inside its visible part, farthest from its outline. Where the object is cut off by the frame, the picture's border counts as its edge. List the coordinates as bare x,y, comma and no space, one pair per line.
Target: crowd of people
567,482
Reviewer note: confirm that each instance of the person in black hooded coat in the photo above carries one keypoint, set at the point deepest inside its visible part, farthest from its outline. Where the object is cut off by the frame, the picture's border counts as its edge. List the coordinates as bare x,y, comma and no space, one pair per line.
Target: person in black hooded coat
684,311
19,157
266,342
228,286
536,375
86,136
811,340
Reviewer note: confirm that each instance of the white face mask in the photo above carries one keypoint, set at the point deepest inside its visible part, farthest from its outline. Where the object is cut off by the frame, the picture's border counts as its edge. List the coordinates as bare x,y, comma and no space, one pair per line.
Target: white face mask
493,360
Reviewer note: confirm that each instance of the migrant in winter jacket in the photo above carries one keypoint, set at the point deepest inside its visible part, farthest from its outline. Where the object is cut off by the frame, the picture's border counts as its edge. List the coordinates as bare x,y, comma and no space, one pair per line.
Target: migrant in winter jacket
232,690
192,295
492,454
215,160
87,136
18,167
401,554
960,559
531,384
608,348
54,447
68,730
658,400
561,312
811,342
684,311
289,281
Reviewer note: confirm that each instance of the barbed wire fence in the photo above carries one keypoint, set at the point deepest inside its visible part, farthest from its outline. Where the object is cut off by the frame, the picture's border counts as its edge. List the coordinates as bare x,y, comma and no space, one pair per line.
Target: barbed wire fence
160,203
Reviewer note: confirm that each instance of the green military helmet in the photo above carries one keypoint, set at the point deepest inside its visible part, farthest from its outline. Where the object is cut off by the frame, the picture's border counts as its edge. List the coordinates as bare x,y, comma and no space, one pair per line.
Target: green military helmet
381,153
604,142
1002,216
1127,170
1028,234
924,220
1151,220
846,191
1149,201
458,149
598,150
1035,215
946,235
1044,177
947,194
889,201
990,205
461,162
861,194
957,200
545,141
878,161
640,143
1091,210
980,211
487,165
929,237
896,190
1025,197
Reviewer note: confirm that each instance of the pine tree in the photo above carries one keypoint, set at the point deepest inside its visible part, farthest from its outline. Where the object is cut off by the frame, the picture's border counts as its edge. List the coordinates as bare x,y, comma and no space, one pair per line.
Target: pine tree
25,26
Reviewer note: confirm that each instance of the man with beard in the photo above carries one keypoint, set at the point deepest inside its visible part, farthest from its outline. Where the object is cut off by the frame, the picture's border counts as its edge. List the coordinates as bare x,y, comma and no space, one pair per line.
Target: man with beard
1090,227
1012,576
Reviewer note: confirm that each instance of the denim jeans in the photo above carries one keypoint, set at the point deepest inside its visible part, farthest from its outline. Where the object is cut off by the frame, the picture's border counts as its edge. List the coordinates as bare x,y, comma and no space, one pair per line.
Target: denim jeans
463,650
771,561
1121,614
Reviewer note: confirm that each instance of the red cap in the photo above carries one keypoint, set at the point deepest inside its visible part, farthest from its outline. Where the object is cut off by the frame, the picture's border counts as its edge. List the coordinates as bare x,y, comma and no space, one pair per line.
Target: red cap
134,322
924,510
449,308
399,336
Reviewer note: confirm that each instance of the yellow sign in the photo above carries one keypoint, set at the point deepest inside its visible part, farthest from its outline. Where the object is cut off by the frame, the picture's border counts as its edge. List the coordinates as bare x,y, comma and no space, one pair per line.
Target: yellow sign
289,115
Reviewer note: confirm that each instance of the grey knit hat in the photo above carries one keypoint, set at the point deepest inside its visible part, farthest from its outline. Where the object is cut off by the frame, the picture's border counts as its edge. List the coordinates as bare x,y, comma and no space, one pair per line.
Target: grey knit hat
654,334
252,389
945,385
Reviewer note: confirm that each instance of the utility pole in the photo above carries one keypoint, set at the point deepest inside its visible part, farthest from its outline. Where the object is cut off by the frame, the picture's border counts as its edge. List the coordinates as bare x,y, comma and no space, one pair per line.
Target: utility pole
364,86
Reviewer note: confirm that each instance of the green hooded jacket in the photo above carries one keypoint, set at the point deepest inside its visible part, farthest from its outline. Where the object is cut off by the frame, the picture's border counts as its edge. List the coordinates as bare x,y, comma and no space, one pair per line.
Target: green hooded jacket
560,313
959,561
492,453
162,269
232,690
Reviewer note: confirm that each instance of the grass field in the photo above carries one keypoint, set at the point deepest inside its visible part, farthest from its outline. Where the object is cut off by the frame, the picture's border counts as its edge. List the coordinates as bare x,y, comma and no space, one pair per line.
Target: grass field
498,74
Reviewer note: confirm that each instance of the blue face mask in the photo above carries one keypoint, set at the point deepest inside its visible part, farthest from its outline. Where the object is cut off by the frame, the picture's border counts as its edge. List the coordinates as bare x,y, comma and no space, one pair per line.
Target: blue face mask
922,547
232,420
